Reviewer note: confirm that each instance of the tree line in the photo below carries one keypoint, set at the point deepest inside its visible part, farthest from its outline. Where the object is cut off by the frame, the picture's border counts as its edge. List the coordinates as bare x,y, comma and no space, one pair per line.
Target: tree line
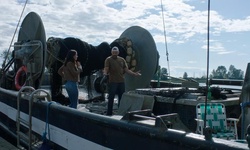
220,73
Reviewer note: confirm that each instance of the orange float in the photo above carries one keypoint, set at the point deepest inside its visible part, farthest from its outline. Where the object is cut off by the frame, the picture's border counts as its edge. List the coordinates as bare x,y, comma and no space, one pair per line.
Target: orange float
17,77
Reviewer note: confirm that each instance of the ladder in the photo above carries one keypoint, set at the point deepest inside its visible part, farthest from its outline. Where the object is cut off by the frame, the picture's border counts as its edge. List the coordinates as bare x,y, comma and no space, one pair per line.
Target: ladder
31,94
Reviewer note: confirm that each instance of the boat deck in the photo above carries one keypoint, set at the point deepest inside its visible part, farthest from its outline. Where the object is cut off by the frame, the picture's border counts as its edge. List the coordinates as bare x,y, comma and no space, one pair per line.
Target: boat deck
5,145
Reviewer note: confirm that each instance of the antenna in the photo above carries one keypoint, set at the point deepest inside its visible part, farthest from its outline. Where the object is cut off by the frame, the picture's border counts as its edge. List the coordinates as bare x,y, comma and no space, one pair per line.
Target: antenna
208,25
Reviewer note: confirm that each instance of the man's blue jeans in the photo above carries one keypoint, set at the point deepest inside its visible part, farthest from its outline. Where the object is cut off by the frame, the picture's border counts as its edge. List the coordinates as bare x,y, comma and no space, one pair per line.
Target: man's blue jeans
72,90
114,88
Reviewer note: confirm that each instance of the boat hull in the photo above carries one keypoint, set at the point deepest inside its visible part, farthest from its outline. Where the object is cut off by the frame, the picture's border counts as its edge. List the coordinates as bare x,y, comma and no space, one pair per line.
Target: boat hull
74,129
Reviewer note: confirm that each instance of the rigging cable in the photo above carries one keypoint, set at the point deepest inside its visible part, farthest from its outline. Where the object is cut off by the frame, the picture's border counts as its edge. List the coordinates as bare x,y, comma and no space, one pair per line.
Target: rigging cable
163,20
14,35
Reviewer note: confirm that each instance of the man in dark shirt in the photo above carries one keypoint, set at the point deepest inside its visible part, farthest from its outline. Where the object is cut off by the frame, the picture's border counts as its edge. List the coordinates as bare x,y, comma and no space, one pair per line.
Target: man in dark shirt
115,66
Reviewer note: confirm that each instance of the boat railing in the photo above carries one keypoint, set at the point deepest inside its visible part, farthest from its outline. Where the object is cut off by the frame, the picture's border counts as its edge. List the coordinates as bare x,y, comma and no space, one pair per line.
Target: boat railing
31,94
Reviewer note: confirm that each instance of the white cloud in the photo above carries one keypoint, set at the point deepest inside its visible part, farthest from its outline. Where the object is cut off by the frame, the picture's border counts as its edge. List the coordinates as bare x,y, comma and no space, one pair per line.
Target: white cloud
104,20
192,62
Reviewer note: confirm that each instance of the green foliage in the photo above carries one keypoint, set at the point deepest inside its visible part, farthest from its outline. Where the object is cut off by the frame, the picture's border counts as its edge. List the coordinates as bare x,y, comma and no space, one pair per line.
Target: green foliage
234,73
222,73
5,55
185,75
161,74
164,73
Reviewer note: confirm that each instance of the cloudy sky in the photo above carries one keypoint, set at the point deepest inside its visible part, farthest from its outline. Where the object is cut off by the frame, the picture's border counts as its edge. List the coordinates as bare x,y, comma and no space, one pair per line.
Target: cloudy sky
95,21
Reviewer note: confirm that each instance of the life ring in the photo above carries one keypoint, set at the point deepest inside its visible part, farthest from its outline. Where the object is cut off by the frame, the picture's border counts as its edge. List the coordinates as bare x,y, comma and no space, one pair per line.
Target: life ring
18,75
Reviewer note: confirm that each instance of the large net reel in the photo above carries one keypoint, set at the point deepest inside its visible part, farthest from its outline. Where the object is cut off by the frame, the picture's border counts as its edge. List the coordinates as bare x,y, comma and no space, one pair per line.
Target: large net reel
137,47
142,55
29,55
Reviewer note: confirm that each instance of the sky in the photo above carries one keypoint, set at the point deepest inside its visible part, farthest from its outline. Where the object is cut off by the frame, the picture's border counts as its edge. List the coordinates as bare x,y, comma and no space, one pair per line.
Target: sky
185,24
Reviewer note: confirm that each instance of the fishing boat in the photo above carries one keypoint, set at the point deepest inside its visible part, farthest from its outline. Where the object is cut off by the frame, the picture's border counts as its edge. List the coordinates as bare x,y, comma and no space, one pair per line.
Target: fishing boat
40,118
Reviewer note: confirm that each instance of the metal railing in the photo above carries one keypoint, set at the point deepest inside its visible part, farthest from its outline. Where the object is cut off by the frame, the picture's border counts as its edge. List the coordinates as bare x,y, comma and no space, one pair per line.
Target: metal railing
31,94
